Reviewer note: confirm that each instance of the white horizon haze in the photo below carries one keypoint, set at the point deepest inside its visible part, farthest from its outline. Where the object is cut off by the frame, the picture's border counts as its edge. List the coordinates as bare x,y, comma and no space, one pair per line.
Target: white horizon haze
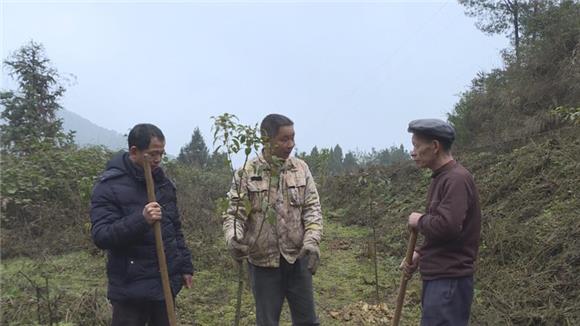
352,73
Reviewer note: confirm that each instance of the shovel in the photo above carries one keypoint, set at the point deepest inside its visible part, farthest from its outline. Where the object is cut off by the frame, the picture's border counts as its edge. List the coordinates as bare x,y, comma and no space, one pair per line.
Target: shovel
404,278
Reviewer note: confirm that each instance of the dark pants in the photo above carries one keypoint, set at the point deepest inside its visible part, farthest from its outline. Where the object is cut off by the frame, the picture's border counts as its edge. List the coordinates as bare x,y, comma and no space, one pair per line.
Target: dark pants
291,281
139,313
447,301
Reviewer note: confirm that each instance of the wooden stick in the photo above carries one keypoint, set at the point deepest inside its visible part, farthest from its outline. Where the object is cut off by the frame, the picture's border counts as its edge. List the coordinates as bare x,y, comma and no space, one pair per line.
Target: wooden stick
404,279
239,293
159,246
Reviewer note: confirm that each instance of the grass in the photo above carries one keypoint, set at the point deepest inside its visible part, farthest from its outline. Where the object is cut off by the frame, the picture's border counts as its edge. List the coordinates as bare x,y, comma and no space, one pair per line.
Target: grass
77,287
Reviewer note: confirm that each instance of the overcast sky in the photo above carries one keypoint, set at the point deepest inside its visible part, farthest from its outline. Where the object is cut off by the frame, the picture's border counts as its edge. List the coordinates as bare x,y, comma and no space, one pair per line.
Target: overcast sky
347,72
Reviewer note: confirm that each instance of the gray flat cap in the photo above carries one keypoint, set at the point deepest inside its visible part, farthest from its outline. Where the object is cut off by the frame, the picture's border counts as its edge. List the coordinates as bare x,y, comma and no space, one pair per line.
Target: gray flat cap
432,127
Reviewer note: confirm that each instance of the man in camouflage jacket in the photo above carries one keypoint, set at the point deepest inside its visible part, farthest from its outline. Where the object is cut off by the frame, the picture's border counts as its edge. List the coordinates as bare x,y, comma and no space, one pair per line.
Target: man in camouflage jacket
274,219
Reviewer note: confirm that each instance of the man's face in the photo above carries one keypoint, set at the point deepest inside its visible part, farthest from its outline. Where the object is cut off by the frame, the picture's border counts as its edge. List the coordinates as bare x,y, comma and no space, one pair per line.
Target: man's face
423,153
155,152
283,144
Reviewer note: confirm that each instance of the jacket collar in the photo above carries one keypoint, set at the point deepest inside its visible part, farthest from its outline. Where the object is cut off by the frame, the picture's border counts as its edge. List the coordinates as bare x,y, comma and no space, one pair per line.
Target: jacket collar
446,167
288,165
138,173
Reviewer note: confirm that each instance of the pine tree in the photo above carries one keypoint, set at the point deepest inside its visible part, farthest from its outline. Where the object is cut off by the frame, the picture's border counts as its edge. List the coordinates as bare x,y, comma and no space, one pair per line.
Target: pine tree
30,111
196,152
350,163
336,158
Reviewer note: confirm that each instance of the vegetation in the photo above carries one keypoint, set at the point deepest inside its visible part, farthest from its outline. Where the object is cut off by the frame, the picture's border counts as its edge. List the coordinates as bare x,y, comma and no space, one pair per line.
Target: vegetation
30,112
46,180
523,98
518,134
529,265
196,152
232,138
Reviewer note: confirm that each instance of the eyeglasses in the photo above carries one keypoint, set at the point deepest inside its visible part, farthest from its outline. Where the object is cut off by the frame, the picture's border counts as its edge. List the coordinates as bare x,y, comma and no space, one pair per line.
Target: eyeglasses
155,154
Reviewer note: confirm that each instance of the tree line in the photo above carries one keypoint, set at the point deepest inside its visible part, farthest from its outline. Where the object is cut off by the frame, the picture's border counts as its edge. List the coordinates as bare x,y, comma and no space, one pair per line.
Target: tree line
538,89
324,161
43,170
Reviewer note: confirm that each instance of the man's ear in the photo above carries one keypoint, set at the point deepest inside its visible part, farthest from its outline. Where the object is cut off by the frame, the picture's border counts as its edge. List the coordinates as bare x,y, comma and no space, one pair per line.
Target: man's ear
133,150
437,146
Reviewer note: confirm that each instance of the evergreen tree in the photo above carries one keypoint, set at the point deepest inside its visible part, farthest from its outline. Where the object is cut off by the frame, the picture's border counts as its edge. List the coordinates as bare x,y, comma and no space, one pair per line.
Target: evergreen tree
350,163
30,111
523,98
217,162
195,152
505,16
313,160
336,157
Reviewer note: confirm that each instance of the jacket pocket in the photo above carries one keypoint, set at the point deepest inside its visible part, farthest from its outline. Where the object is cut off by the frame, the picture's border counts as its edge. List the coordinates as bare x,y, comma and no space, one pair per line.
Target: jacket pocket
296,183
263,241
116,266
134,270
138,269
296,236
257,192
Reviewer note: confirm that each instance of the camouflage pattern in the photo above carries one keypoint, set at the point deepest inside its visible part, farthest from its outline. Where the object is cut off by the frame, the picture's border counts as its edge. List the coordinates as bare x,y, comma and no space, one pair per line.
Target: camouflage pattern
280,223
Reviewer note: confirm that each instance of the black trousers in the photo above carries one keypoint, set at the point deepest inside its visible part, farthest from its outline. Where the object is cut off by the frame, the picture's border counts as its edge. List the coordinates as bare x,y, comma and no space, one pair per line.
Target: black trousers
139,313
289,281
447,301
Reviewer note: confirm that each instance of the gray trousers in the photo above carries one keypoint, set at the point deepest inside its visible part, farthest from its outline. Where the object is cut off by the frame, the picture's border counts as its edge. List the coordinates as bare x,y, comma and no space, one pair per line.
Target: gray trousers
447,301
272,285
139,313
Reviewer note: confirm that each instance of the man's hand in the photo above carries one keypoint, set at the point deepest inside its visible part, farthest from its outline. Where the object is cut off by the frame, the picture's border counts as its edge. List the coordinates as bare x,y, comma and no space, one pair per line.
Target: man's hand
187,280
313,254
410,269
152,212
414,219
238,250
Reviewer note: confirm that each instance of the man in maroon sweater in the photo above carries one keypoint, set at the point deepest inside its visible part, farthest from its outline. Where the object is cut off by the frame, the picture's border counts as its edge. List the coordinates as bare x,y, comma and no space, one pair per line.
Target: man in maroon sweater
450,225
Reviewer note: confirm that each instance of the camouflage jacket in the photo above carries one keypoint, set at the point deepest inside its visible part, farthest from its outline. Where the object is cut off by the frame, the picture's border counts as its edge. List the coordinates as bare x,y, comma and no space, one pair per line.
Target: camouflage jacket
278,224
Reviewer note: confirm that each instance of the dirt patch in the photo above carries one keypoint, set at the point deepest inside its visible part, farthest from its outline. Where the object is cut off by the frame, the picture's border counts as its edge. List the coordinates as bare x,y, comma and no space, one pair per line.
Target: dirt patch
362,313
340,244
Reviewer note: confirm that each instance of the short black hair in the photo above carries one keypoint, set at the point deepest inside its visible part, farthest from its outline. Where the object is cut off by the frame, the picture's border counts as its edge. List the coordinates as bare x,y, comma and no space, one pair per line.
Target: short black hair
140,136
445,142
272,123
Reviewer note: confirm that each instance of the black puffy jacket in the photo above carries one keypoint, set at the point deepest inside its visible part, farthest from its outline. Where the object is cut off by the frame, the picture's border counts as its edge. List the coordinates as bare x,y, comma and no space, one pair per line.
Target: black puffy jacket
119,227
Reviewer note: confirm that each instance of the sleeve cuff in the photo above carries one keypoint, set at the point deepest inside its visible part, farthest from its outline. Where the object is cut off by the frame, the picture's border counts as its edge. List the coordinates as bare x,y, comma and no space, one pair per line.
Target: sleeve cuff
420,224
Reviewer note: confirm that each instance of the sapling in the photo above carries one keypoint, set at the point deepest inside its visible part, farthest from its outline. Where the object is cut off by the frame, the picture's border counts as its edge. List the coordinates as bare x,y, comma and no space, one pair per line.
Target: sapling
232,137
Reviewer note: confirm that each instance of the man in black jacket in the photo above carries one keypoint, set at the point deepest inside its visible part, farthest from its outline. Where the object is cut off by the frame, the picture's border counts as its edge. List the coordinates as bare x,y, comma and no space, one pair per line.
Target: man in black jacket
121,224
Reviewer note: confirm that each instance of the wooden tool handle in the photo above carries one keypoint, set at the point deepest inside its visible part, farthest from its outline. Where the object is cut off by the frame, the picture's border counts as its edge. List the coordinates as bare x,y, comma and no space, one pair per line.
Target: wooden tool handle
159,246
403,286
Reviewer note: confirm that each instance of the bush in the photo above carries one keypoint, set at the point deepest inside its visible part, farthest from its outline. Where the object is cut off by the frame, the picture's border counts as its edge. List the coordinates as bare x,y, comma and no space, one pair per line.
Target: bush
45,199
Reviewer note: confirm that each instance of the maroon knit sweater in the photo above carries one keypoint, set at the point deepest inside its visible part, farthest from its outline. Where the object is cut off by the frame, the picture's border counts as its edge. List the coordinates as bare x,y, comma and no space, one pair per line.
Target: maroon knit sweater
451,224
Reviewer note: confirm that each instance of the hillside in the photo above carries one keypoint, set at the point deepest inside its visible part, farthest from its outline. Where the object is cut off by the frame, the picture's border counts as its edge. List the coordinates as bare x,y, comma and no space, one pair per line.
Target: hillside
88,133
518,133
529,266
528,273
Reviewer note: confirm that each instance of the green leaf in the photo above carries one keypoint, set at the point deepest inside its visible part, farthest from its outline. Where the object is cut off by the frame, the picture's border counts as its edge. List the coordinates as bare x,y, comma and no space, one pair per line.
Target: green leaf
264,206
274,180
271,217
247,206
